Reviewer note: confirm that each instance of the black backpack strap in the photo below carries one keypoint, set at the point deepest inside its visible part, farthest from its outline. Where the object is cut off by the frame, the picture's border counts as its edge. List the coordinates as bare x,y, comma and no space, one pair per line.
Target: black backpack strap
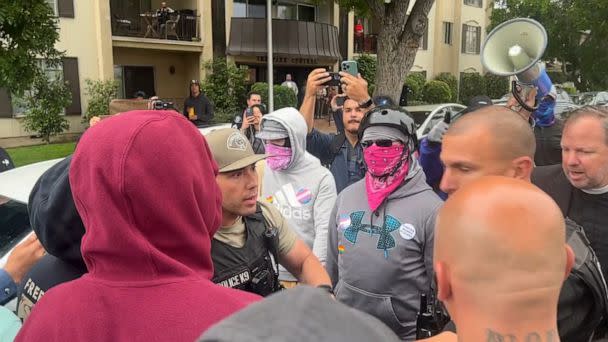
271,239
334,148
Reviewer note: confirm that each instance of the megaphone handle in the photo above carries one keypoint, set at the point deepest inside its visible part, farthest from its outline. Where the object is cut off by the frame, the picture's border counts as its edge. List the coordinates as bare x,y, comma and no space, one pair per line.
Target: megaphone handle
522,102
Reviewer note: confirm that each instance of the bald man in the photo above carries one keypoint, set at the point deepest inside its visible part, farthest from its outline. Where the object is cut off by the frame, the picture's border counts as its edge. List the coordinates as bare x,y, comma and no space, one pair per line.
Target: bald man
495,141
506,286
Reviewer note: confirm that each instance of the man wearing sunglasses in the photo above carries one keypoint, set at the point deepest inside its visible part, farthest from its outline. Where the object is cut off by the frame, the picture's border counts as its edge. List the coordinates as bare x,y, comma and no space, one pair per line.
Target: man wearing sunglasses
380,248
296,182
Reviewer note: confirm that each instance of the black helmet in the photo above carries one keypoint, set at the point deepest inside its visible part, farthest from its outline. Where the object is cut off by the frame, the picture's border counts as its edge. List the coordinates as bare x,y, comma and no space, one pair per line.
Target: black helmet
390,116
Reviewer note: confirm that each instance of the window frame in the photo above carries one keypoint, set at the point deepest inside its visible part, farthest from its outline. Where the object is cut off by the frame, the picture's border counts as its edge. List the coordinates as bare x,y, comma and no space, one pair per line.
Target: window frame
57,71
474,3
448,36
476,31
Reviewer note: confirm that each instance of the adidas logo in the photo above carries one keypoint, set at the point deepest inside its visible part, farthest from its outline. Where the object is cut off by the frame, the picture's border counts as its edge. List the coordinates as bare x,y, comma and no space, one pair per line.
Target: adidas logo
291,203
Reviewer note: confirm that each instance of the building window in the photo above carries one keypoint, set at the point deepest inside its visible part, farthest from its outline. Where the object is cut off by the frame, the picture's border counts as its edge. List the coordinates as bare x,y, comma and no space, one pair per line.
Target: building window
52,72
475,3
424,40
239,9
471,39
287,11
256,9
306,13
447,32
53,5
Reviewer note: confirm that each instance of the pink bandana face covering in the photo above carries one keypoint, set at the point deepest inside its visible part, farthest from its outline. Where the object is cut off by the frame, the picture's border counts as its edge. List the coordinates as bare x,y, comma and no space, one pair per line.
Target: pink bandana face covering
278,156
380,162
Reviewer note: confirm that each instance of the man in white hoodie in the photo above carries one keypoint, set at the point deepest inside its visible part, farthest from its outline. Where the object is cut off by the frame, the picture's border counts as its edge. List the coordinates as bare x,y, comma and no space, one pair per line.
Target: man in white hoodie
296,182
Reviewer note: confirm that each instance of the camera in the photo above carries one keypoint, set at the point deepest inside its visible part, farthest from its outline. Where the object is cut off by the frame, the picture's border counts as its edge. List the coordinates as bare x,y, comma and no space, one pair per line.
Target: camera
163,105
262,283
334,81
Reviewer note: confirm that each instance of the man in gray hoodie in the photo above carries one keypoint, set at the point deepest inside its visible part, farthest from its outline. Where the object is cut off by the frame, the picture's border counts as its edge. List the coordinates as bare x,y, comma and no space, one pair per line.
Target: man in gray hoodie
296,182
380,248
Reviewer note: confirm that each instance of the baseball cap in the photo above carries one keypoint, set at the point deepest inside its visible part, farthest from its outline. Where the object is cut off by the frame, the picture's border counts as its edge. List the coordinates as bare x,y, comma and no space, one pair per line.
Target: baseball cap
195,82
231,149
272,130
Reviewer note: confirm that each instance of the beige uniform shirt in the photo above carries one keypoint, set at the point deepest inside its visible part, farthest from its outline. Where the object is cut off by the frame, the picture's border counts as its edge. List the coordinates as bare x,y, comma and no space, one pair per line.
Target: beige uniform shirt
235,235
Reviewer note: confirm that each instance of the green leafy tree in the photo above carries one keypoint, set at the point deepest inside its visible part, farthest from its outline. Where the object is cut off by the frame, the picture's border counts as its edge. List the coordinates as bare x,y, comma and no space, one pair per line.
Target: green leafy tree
283,96
436,92
578,35
452,83
399,37
367,68
471,84
28,32
496,86
46,101
100,94
225,87
415,81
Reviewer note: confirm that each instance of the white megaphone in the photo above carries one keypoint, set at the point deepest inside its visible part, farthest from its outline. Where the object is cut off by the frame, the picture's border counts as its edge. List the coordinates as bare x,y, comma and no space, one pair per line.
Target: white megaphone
514,48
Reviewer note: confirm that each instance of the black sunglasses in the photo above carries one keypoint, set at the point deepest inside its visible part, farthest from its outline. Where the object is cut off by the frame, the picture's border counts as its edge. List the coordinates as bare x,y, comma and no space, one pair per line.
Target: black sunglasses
379,143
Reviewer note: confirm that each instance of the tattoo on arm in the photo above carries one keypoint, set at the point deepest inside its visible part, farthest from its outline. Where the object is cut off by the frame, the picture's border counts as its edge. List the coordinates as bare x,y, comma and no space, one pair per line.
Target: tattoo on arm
550,336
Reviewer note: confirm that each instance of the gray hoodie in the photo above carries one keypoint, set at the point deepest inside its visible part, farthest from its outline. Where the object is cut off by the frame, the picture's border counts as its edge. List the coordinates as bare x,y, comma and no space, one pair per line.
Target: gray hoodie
381,262
305,192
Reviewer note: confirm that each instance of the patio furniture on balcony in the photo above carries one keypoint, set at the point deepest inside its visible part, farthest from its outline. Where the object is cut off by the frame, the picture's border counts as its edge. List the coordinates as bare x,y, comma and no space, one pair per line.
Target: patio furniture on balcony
171,27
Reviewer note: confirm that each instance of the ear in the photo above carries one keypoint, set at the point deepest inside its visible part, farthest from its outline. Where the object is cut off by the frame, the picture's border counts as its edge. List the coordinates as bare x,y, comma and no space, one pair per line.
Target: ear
569,261
522,168
444,287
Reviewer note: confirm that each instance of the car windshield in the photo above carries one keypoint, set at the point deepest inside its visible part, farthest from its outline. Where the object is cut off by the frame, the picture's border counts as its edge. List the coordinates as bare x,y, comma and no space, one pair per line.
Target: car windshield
420,116
14,224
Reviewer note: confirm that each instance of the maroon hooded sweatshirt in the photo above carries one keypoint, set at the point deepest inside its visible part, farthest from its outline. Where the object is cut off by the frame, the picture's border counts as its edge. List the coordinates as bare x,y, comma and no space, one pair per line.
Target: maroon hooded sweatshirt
144,184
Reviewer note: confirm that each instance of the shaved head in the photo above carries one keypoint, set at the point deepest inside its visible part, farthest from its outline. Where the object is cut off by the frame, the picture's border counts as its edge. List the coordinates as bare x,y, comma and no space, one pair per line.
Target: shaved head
512,136
500,250
492,140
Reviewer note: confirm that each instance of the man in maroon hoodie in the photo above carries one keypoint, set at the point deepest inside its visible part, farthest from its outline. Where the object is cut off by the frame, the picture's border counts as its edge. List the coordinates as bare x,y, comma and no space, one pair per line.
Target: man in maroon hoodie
144,184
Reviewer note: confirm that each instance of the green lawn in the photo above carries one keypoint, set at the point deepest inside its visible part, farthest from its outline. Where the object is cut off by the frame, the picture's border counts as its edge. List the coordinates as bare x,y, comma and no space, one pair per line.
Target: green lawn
32,154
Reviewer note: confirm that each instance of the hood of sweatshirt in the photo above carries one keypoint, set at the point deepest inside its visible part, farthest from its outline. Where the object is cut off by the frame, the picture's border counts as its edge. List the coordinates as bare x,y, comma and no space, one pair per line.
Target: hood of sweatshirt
294,123
144,221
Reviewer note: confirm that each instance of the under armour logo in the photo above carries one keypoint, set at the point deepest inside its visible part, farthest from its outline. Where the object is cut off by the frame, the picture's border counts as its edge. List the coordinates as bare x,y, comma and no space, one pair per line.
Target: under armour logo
6,162
385,240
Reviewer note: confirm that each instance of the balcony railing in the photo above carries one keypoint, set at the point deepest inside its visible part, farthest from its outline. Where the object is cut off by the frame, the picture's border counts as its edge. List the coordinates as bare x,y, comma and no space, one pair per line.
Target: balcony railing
366,43
181,25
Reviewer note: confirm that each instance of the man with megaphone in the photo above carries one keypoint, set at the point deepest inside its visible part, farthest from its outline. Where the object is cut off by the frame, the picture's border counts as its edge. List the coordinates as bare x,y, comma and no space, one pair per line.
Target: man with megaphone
514,48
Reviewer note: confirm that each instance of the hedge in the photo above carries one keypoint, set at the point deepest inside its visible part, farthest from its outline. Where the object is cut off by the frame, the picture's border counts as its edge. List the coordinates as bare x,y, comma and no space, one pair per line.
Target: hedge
436,92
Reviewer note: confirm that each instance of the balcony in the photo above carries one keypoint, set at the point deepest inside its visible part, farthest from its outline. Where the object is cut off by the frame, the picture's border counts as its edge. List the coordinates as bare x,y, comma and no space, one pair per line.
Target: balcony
366,44
179,26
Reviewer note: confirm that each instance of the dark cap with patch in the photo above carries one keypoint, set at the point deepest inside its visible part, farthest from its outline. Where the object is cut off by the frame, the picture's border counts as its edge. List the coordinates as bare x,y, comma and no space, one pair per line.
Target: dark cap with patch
231,149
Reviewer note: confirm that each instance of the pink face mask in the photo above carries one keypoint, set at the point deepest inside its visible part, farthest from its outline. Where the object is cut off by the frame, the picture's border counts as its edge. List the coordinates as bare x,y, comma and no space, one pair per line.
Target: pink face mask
278,157
381,161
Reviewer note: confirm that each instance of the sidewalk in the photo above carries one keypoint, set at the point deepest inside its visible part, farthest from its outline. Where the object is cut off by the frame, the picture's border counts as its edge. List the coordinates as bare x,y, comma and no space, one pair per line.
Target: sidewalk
27,141
320,124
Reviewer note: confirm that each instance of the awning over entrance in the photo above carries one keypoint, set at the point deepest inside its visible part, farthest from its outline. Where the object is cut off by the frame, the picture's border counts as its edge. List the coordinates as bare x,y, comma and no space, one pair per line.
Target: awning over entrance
291,39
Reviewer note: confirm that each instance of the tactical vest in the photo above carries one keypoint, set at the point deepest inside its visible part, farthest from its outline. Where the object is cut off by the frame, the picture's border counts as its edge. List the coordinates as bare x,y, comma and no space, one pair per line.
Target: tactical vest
249,268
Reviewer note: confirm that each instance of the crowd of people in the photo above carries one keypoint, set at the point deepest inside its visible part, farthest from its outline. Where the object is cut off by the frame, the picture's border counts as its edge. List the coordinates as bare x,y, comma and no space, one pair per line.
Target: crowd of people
156,236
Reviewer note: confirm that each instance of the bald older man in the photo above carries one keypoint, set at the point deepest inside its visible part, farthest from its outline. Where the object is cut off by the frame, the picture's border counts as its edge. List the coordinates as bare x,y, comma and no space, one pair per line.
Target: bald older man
505,287
495,141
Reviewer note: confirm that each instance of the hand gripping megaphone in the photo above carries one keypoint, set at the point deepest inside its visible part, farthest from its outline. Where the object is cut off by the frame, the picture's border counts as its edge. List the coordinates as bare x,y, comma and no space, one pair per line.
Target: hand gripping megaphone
515,47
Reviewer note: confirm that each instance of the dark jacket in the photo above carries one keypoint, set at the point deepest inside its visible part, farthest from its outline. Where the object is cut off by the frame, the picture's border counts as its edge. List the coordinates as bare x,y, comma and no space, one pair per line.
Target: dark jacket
321,145
583,299
202,109
548,144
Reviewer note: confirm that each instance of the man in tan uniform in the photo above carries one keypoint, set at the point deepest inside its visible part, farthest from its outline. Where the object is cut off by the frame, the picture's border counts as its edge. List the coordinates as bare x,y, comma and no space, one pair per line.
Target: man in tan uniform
254,236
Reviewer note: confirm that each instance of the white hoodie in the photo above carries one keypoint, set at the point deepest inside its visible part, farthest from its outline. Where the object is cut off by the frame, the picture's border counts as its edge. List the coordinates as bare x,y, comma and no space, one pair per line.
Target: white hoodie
305,192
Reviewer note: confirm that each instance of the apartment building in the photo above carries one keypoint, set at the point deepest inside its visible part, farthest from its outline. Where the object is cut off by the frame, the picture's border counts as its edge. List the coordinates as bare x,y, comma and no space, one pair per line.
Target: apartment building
123,40
451,44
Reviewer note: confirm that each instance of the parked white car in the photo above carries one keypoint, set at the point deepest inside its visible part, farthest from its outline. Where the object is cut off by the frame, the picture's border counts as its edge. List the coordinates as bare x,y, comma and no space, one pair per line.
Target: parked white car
427,116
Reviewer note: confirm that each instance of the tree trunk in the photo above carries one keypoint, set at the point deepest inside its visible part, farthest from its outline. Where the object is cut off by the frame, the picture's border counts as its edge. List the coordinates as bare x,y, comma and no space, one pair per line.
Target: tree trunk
397,48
